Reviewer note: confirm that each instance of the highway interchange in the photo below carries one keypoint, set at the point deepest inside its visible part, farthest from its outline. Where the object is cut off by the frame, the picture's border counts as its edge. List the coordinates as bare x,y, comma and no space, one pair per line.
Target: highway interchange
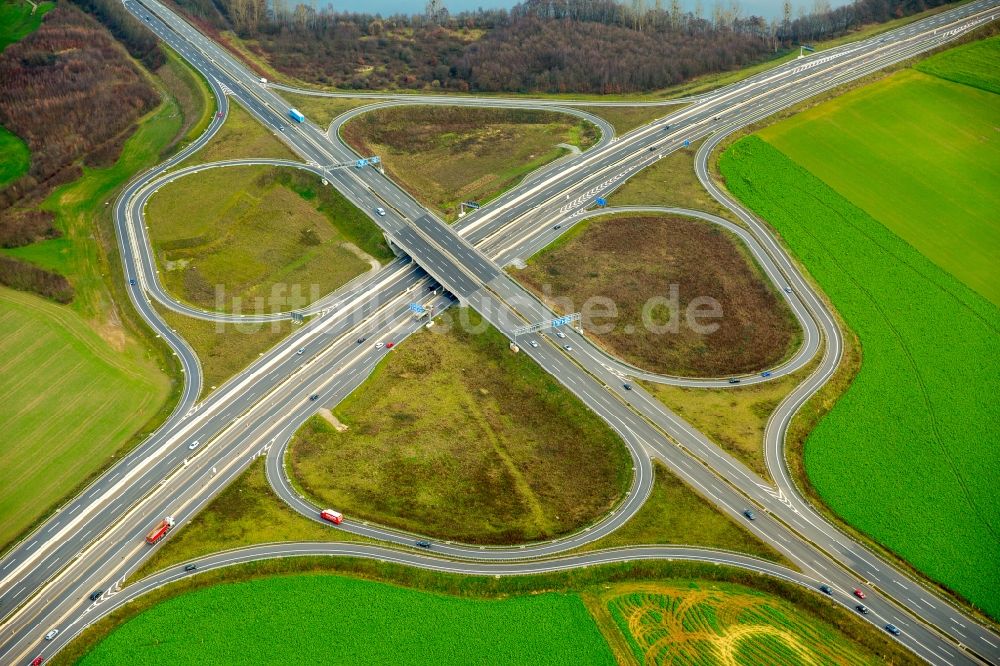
97,538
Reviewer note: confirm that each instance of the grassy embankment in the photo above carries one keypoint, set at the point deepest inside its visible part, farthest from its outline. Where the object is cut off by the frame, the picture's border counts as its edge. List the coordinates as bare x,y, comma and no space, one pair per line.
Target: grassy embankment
734,418
628,260
929,142
456,437
16,22
447,155
440,617
676,515
243,230
76,434
916,425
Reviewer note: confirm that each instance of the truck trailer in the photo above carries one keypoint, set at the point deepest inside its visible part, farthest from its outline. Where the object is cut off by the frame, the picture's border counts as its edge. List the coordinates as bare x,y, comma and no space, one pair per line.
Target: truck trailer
160,530
296,115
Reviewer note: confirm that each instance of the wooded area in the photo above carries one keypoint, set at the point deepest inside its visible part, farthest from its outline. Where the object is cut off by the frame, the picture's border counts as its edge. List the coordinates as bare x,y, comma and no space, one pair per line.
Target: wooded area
584,46
73,95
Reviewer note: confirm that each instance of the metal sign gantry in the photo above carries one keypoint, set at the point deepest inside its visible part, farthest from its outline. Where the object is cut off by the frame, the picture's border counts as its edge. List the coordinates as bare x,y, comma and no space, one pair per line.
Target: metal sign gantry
552,323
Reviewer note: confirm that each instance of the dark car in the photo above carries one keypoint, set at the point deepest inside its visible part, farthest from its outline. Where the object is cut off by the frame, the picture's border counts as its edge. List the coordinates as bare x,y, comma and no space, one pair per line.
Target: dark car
423,544
766,373
862,609
314,396
558,226
132,281
628,387
750,515
734,381
190,567
825,589
892,629
96,594
652,149
360,340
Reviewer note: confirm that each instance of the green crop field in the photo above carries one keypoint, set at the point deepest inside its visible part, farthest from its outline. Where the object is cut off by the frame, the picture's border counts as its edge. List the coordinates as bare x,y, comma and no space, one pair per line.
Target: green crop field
919,154
246,230
69,401
717,623
976,64
455,436
324,619
911,452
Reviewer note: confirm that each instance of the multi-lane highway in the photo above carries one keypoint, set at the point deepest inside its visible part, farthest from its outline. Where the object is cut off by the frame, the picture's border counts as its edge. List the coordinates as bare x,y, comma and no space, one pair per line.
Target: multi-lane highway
97,538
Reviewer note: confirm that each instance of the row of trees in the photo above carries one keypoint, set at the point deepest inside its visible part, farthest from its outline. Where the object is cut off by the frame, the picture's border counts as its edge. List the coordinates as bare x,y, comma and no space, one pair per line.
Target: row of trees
23,276
592,46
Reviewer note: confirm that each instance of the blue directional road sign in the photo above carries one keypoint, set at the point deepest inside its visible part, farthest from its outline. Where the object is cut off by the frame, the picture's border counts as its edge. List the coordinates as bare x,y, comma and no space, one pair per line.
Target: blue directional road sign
601,201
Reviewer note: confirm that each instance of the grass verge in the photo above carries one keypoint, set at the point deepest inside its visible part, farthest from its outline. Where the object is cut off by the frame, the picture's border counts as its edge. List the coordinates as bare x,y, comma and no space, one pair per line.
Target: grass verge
670,182
916,412
669,294
224,348
626,118
447,155
734,418
456,437
247,512
582,581
245,231
674,514
241,136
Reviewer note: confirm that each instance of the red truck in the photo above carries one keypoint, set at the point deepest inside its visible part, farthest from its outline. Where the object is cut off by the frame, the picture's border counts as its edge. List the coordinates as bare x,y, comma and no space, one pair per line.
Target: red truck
160,530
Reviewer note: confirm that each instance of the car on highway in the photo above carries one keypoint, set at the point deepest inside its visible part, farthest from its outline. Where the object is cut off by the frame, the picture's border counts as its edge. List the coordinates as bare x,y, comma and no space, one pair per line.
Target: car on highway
560,334
380,211
825,589
37,661
652,149
379,345
568,347
300,352
423,544
360,340
390,345
533,343
332,516
766,373
219,114
314,396
750,515
862,609
734,380
96,594
859,593
627,386
52,634
893,629
788,290
193,445
132,282
190,567
558,226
